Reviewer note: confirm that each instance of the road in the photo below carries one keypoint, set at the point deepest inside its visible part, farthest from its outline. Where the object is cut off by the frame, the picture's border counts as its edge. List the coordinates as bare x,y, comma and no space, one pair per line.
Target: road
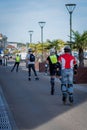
33,108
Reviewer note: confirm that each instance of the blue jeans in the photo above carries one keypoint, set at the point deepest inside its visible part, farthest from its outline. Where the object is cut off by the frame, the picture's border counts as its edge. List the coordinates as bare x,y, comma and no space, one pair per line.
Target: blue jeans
16,65
31,66
67,81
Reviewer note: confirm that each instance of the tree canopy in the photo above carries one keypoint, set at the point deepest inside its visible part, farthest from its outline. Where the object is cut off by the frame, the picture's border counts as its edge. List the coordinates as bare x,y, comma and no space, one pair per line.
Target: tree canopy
80,43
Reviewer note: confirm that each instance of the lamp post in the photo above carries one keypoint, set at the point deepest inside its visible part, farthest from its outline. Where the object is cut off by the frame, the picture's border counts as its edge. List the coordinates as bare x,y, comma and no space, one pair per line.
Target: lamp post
27,46
42,24
70,8
4,41
31,32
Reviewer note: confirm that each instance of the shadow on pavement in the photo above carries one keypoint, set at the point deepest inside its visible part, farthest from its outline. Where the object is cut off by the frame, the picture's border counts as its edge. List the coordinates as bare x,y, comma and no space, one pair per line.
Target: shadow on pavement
30,102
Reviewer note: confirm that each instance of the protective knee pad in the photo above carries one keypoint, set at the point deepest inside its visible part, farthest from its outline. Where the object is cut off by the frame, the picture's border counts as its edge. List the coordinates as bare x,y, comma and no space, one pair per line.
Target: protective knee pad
63,88
52,81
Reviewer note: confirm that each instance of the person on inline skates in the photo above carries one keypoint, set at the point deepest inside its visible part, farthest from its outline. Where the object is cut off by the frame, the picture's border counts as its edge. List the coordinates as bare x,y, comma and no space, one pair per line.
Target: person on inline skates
68,67
52,60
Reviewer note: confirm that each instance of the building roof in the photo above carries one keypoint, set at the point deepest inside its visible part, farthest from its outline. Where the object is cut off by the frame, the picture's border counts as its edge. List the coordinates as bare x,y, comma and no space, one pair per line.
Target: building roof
10,46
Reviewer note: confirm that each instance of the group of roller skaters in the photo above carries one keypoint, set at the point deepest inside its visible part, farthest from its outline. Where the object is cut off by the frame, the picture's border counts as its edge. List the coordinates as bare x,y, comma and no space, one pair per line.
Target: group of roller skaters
63,66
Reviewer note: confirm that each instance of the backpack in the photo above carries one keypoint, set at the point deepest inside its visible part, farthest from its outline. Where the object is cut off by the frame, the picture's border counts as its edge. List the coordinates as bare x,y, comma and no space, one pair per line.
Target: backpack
32,58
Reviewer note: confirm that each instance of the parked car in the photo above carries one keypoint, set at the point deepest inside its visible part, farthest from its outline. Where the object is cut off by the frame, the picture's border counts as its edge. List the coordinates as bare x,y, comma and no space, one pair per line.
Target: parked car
85,55
23,55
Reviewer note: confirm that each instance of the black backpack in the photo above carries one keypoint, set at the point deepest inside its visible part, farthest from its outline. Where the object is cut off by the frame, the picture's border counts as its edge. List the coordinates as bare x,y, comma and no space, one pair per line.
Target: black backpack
32,58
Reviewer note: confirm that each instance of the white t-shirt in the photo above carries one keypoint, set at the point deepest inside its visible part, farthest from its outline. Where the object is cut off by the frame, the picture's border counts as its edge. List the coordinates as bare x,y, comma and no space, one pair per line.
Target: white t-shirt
29,62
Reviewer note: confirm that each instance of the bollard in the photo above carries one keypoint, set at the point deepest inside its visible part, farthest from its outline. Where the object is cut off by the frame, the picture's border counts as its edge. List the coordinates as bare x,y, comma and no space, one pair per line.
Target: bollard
5,62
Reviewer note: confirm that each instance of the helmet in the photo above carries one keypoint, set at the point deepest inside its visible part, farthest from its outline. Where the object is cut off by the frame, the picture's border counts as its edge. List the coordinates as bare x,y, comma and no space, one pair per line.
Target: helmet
29,50
67,48
52,51
17,54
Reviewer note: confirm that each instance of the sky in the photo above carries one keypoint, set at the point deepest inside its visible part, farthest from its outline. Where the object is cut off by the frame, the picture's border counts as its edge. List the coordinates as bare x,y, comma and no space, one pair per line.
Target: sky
17,17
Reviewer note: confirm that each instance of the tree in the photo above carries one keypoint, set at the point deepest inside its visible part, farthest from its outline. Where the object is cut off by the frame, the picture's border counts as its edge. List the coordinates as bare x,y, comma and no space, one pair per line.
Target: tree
80,43
58,44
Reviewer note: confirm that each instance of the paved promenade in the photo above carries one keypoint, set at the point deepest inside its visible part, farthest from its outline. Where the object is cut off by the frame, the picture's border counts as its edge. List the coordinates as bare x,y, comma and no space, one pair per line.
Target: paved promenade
28,105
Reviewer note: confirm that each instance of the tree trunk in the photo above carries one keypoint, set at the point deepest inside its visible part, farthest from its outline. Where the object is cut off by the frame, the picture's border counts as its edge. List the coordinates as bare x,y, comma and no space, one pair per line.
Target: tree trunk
81,57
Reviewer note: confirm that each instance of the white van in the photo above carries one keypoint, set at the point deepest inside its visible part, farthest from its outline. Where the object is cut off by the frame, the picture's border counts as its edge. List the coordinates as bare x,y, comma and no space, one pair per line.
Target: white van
23,55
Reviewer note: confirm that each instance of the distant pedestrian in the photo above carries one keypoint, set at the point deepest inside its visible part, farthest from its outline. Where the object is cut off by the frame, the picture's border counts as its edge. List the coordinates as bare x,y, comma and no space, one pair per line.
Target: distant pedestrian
68,66
17,62
52,61
30,61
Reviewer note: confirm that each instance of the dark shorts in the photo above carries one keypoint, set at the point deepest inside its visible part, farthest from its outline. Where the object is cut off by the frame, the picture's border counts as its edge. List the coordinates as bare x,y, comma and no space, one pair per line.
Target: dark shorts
52,71
58,73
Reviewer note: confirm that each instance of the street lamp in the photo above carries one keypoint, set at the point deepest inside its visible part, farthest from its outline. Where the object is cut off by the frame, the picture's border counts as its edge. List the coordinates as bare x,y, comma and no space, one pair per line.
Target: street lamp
4,41
42,24
70,8
31,32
